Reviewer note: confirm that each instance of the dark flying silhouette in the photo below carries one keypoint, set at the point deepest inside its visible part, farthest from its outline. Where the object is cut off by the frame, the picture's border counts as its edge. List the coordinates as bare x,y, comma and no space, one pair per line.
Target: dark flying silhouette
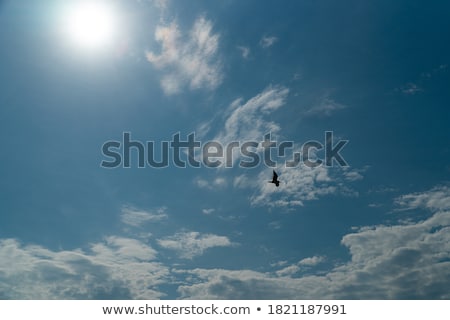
275,179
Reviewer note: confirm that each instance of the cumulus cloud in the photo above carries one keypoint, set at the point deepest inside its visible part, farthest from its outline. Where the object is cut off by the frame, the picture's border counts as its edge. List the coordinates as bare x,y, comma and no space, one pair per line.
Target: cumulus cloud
191,244
403,261
135,217
102,272
187,60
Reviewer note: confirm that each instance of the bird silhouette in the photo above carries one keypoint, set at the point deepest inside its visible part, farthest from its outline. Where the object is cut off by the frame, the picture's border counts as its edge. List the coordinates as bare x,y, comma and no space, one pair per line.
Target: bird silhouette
275,179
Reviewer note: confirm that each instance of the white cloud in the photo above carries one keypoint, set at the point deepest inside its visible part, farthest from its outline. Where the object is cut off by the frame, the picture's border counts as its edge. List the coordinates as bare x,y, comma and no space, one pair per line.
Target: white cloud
190,62
311,261
135,217
216,183
268,41
248,121
353,175
403,261
437,198
297,185
288,271
191,244
325,107
34,272
305,263
208,211
245,51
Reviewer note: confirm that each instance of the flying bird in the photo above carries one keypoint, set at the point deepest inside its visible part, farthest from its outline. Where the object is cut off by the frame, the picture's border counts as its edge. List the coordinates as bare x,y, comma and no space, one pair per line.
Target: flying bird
275,179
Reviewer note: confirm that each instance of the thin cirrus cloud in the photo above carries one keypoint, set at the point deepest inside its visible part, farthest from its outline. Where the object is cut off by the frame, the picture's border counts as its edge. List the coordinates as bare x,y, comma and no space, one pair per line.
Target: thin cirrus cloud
403,261
214,184
249,121
135,217
245,51
187,61
268,41
326,107
246,120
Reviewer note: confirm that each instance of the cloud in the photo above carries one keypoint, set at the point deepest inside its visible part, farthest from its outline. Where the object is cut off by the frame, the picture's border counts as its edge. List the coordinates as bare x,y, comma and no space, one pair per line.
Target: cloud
267,41
297,185
410,89
190,62
406,260
103,272
216,183
303,264
403,261
312,261
208,211
248,121
245,51
326,107
135,217
192,244
437,198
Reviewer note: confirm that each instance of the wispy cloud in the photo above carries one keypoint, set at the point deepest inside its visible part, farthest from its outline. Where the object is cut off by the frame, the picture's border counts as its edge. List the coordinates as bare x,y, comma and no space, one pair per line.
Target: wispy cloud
248,121
410,89
245,51
326,107
191,244
268,41
136,217
188,62
215,183
208,211
244,121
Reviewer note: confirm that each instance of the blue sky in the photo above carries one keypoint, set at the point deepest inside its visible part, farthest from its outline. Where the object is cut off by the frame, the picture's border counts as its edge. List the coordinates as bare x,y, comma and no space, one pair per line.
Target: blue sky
376,75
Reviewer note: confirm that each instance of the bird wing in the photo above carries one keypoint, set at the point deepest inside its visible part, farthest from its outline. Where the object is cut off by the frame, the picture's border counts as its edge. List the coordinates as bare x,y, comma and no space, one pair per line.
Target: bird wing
275,176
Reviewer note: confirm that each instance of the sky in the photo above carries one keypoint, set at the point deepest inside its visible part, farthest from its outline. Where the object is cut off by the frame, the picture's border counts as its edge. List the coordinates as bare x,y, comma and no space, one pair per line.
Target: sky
374,75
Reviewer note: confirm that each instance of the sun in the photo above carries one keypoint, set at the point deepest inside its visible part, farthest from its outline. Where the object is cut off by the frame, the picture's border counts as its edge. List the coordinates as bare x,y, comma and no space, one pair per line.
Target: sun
91,24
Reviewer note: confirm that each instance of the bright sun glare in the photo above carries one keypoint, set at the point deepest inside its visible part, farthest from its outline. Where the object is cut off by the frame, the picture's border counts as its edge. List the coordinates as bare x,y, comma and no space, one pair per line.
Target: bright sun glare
91,24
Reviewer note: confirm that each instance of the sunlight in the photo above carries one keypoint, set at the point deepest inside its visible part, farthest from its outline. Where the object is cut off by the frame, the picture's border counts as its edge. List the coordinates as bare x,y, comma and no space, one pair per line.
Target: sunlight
91,24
